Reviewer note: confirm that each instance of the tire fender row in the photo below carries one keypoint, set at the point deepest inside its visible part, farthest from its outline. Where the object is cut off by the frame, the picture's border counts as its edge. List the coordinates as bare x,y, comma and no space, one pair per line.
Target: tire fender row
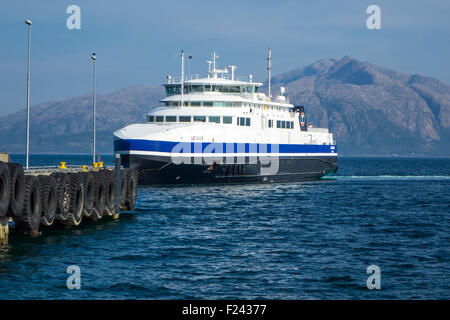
67,198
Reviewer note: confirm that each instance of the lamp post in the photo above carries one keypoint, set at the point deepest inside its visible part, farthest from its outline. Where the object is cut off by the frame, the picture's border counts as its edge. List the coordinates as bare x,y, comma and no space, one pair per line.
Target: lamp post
28,23
94,59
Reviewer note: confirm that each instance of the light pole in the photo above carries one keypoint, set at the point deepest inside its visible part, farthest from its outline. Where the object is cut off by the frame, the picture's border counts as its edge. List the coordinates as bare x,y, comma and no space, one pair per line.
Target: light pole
94,59
28,22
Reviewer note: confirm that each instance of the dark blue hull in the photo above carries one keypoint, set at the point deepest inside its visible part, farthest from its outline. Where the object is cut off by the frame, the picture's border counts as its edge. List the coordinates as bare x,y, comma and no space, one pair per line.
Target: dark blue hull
159,171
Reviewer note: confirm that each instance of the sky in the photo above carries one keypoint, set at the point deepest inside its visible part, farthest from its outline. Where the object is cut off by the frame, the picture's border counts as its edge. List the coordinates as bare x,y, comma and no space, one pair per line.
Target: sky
139,42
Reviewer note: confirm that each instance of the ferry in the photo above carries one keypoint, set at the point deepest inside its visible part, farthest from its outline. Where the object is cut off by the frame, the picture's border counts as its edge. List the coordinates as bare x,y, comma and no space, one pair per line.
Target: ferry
220,128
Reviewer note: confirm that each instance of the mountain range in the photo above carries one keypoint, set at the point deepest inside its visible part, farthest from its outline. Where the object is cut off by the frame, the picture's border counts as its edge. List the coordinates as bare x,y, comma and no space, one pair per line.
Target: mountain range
372,111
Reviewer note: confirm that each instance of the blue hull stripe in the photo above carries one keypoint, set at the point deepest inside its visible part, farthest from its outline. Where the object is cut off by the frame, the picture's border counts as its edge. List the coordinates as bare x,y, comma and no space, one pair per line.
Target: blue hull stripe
194,147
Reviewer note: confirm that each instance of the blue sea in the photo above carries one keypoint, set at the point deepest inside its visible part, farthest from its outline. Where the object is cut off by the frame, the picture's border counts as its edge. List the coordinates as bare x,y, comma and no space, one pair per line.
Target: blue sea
310,240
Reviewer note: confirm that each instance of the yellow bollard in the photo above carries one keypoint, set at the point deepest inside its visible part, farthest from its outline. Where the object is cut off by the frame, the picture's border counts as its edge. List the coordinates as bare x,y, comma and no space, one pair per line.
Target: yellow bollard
84,168
100,164
62,165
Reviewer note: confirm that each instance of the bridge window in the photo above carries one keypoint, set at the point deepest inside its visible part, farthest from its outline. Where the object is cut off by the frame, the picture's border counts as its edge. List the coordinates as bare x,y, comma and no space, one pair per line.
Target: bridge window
159,118
195,104
207,104
150,118
171,118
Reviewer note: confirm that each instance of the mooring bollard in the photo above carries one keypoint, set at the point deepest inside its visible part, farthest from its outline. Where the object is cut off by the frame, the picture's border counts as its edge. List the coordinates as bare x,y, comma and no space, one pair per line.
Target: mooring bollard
117,195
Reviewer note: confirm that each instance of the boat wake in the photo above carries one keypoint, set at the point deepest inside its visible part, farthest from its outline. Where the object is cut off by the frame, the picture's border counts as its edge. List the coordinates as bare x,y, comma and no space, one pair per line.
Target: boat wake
388,177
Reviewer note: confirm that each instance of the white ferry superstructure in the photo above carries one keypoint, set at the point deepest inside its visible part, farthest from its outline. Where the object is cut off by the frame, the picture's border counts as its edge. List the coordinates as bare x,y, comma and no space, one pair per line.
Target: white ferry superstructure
220,129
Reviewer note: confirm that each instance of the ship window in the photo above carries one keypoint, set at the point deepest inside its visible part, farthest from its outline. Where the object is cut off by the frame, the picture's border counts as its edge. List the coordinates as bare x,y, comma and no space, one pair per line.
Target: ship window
170,90
207,87
214,119
234,89
197,88
199,119
171,118
159,118
278,124
207,104
185,103
150,119
270,123
218,104
249,89
176,103
185,119
256,89
283,124
237,104
228,104
195,104
292,124
166,103
243,122
227,120
288,124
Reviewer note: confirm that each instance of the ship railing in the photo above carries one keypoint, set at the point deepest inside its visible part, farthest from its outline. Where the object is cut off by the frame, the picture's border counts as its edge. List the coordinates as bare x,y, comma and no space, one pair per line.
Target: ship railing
197,76
67,168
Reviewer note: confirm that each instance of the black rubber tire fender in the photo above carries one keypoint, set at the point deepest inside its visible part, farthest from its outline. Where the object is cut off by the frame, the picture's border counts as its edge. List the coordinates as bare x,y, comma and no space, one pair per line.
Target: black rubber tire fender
63,195
123,186
76,199
110,190
88,194
5,189
30,218
17,184
130,202
49,199
99,195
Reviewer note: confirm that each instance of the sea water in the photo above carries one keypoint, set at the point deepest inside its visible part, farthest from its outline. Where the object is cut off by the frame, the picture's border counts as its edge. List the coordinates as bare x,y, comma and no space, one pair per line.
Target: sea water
305,240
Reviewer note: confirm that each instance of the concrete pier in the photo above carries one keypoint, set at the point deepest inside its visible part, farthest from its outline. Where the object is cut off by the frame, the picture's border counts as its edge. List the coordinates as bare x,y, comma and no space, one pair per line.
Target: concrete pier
4,228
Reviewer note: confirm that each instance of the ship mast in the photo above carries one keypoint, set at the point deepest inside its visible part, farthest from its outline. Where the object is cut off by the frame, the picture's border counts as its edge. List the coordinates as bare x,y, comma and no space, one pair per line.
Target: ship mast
182,77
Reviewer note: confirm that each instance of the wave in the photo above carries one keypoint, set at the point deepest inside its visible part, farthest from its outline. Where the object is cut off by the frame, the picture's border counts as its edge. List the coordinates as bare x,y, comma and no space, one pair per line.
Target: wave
389,177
